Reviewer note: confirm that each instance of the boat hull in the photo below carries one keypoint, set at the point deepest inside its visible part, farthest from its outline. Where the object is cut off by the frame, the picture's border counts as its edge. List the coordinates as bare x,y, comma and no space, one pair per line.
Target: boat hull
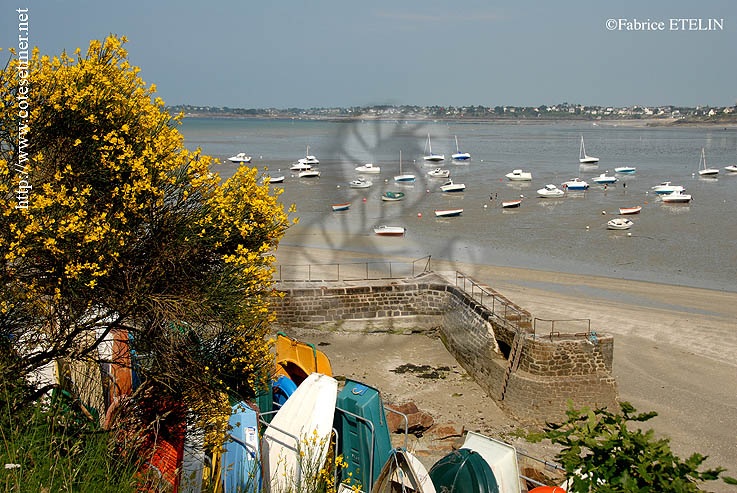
630,210
307,416
448,212
341,207
511,204
389,231
619,224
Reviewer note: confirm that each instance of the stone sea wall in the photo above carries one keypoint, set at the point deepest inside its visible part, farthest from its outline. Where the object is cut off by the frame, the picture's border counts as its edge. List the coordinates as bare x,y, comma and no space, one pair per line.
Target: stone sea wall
532,377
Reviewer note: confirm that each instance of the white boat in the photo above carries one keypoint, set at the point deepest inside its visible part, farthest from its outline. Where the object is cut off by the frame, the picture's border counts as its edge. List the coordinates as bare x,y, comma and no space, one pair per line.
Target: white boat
677,197
403,472
575,184
625,170
550,191
439,173
341,207
448,212
666,188
519,175
458,155
273,179
604,179
432,157
403,177
309,159
241,157
619,223
369,168
309,173
450,187
630,210
511,204
384,230
584,158
305,418
732,168
704,170
360,183
300,166
501,458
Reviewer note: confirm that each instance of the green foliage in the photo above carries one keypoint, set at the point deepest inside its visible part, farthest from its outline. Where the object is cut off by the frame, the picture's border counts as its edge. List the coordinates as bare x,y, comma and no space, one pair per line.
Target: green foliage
54,446
601,453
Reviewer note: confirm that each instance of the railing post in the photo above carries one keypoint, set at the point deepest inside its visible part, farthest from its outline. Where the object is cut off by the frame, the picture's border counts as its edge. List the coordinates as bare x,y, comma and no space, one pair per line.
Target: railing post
390,271
338,269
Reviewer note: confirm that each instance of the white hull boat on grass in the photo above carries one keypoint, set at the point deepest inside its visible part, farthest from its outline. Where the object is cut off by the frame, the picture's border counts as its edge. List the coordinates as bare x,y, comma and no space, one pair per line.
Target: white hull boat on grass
448,212
619,223
450,187
583,158
389,230
704,170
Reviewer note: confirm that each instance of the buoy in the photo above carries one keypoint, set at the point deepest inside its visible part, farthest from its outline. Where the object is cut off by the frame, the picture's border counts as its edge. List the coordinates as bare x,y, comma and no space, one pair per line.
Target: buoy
587,227
419,214
548,489
485,206
629,234
338,186
603,213
428,190
364,199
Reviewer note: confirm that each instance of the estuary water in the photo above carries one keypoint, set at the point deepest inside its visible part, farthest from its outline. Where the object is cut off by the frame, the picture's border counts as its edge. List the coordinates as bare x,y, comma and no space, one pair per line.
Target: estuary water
690,245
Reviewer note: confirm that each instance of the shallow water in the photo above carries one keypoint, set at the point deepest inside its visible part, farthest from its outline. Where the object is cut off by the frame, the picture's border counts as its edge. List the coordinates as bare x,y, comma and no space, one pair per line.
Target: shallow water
694,245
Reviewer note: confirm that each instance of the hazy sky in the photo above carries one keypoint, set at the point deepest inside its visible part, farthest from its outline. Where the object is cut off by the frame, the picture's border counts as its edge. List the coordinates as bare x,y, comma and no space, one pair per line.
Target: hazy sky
292,53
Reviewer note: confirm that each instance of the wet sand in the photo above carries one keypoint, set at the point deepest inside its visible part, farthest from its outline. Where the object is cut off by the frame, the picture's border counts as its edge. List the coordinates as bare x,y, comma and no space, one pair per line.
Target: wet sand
674,352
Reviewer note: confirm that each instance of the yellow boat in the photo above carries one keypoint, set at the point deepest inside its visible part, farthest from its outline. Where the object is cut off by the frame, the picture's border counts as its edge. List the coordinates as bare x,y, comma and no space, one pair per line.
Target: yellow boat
297,360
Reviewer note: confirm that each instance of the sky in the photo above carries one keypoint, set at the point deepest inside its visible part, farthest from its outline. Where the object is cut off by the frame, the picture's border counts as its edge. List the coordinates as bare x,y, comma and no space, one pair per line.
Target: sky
341,53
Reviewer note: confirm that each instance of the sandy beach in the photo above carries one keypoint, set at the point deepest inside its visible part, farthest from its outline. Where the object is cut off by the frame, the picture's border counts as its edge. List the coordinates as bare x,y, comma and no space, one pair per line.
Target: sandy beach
674,352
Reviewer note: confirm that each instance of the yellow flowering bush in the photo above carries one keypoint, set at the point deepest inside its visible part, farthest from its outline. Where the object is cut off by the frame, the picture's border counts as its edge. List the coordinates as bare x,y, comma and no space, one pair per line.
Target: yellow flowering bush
121,225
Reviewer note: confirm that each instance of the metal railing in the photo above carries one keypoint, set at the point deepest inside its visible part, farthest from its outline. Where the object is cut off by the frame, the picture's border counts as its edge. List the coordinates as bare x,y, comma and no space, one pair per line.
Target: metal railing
500,308
564,327
351,271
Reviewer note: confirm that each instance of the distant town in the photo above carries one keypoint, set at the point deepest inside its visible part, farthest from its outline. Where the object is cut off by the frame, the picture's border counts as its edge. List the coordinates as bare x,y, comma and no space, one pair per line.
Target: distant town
565,111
